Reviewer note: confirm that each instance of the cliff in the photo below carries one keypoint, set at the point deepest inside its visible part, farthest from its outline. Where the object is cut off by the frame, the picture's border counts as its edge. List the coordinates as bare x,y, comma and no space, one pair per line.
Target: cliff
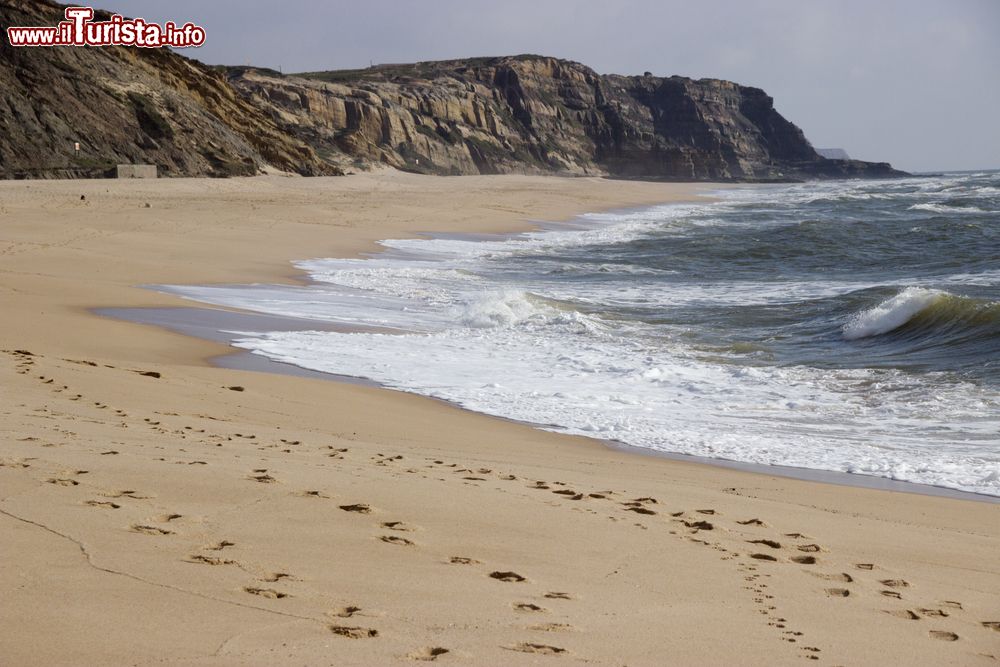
128,105
517,114
537,114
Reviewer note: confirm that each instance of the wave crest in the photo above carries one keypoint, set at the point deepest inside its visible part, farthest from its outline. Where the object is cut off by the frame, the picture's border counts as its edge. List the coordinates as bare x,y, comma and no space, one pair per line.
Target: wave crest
927,309
946,208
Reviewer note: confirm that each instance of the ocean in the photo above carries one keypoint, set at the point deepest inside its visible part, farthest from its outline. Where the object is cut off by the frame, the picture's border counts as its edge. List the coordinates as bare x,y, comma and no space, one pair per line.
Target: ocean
849,326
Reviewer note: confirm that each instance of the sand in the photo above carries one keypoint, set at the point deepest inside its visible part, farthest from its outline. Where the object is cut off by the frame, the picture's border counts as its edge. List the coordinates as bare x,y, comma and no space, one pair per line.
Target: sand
155,509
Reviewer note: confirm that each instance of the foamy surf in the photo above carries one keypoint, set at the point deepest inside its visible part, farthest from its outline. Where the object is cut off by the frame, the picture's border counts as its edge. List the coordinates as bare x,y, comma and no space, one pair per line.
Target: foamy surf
803,325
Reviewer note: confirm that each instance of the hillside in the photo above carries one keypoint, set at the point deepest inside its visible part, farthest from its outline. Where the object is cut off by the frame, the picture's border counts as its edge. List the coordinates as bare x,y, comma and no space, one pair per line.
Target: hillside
128,105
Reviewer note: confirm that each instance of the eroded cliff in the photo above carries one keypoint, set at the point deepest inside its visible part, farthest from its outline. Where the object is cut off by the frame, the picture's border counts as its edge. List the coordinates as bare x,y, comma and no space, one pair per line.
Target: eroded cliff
538,114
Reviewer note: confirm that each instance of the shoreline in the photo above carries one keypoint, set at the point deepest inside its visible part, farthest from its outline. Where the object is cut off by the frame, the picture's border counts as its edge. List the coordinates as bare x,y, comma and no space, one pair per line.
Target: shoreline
259,518
206,322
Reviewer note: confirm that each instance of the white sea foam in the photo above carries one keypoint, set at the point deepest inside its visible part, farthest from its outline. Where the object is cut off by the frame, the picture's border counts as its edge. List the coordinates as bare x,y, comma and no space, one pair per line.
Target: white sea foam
592,383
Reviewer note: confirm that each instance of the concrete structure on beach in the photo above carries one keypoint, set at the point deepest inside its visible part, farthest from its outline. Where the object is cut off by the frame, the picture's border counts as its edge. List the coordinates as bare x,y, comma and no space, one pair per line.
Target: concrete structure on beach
135,171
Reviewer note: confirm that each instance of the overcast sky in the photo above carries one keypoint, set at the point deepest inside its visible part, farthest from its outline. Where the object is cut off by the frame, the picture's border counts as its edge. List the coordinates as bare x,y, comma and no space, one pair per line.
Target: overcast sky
913,82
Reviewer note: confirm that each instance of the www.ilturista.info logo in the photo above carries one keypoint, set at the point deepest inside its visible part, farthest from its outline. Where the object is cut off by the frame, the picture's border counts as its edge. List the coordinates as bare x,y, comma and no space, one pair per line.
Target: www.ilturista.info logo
80,30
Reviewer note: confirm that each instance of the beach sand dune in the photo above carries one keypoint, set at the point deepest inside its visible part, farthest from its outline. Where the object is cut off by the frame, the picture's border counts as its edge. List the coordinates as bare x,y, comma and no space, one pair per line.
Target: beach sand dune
150,513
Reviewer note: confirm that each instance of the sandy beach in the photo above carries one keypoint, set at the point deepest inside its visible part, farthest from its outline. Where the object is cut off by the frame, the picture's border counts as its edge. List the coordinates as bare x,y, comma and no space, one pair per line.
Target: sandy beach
156,509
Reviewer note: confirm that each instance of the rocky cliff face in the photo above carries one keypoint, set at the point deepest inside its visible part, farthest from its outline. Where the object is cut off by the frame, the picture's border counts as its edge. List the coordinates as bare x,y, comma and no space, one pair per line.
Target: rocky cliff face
538,114
520,114
128,105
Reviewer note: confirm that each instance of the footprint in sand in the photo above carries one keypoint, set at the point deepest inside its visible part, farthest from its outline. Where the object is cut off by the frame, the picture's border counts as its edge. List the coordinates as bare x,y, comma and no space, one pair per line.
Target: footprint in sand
219,546
838,592
398,525
905,614
510,577
313,494
428,653
551,627
699,525
528,607
353,632
752,522
165,518
990,625
894,583
346,612
943,635
394,539
360,508
804,560
276,576
939,613
128,493
558,595
462,560
209,560
865,566
103,503
839,576
269,593
150,530
765,557
61,481
892,594
263,478
530,647
767,543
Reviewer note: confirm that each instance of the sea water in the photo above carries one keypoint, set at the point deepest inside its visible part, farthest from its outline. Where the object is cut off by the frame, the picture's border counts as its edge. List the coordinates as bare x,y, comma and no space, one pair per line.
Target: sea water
848,326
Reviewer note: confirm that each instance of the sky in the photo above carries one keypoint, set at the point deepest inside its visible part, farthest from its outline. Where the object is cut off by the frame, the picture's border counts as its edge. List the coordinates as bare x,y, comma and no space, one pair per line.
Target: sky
915,83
